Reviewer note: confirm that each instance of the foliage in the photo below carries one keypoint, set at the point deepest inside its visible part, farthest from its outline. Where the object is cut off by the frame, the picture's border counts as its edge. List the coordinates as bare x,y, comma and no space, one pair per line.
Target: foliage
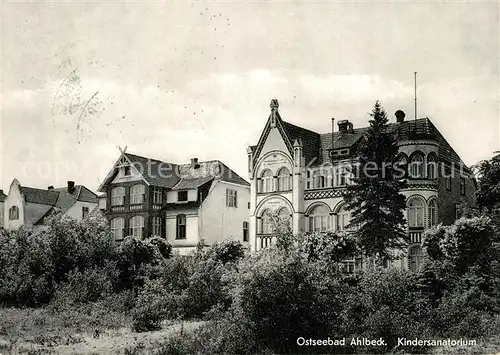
329,247
163,246
488,193
149,310
226,251
374,198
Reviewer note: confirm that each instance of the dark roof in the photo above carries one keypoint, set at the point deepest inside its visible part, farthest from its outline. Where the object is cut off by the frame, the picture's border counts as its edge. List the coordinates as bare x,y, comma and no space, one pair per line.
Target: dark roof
40,196
310,140
2,196
211,168
156,172
192,183
421,128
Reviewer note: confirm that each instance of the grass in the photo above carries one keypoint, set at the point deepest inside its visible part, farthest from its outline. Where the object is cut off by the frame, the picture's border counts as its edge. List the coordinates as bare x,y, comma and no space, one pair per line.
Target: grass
84,331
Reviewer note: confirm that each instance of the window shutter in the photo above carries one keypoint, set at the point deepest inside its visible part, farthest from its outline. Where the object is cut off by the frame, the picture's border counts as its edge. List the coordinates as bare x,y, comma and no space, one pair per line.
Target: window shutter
235,198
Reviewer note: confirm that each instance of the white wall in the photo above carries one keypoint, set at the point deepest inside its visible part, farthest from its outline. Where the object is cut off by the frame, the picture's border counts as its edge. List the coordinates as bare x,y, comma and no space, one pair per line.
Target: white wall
75,211
218,221
1,215
191,227
14,198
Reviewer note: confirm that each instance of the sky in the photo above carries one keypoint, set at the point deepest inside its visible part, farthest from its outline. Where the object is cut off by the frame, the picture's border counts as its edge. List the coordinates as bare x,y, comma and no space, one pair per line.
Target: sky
177,80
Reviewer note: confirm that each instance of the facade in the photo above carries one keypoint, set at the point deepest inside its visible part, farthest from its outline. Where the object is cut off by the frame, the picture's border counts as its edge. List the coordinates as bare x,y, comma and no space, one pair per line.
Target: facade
301,175
186,203
2,199
28,206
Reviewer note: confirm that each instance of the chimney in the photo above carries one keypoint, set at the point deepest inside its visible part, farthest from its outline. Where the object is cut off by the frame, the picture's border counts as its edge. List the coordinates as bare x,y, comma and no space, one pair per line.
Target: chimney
345,126
71,187
50,187
400,116
194,163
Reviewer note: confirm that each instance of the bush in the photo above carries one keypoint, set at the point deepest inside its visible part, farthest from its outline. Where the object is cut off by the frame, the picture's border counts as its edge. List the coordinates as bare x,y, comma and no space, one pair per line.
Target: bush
164,248
226,251
149,309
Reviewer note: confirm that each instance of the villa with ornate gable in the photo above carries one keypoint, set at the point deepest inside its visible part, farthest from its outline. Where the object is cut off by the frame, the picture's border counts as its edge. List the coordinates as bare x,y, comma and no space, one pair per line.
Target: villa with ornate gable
301,175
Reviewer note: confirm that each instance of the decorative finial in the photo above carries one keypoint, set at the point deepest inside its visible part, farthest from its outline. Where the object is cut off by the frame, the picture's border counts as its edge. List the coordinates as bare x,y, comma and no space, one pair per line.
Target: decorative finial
274,104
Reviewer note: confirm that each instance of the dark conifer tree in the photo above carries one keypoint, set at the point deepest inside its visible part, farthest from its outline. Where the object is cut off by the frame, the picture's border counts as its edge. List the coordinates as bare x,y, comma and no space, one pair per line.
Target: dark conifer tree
375,202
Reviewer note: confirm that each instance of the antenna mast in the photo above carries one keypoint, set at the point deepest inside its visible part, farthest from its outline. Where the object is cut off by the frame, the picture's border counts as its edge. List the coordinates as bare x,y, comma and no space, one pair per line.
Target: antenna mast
415,95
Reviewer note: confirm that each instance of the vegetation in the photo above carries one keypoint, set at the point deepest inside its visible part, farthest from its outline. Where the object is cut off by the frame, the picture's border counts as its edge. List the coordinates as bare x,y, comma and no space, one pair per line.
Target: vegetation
374,199
80,285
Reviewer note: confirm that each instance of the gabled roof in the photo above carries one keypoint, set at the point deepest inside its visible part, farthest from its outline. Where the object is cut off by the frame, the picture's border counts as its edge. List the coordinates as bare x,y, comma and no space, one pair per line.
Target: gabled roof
211,169
192,183
40,196
315,145
310,140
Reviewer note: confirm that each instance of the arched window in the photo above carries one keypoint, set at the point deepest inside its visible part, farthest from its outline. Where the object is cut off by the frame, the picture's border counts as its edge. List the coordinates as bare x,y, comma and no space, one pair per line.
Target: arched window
284,216
417,166
118,196
319,179
117,227
266,183
13,213
415,212
265,222
343,218
431,166
181,227
136,226
401,167
319,219
284,183
137,194
415,257
433,213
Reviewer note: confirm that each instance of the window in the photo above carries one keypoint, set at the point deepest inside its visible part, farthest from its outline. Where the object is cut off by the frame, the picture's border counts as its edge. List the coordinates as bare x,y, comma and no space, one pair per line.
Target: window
231,198
400,168
415,213
85,212
13,213
319,180
181,227
157,195
341,176
118,196
156,226
431,166
344,151
416,257
245,232
136,226
265,222
308,183
285,217
433,213
462,186
343,218
182,196
319,219
126,170
266,182
447,183
249,205
417,166
284,183
137,194
117,226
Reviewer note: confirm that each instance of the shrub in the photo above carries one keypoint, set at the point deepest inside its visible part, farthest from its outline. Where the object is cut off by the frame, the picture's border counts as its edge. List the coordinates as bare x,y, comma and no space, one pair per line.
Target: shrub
226,251
164,247
149,309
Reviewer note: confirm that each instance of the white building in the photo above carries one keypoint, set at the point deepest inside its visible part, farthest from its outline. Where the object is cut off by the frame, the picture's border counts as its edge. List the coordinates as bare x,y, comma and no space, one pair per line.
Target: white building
28,206
300,174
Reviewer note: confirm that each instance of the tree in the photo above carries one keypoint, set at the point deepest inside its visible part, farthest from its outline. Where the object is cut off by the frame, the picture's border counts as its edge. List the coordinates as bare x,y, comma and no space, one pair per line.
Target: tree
374,199
488,194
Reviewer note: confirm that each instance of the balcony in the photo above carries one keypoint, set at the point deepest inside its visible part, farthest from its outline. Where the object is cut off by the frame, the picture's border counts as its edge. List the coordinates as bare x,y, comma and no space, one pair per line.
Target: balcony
117,208
137,207
265,240
416,235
